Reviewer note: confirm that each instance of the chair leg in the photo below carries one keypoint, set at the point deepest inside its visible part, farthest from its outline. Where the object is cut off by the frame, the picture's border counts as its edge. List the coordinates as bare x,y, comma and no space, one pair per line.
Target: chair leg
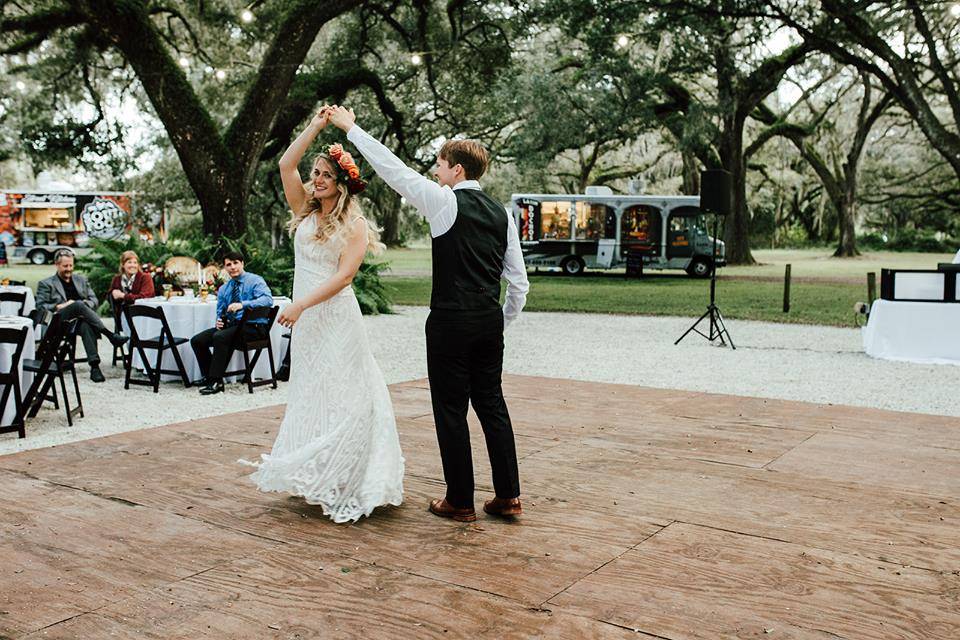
180,367
273,371
66,400
128,365
76,387
155,377
248,367
19,417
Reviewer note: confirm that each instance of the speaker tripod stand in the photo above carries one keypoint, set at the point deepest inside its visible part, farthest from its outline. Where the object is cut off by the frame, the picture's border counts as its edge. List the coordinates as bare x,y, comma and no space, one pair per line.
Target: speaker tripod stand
717,328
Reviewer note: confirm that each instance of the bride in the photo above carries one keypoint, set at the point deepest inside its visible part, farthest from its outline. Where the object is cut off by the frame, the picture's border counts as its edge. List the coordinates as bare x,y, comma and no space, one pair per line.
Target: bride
338,444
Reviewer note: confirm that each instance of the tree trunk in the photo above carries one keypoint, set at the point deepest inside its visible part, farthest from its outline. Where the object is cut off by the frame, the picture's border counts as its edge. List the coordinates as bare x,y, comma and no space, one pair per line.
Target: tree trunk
737,228
390,222
691,174
847,247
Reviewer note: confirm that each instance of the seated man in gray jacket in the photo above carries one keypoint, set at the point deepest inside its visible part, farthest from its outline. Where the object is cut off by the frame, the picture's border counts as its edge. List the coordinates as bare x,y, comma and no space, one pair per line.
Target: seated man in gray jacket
71,296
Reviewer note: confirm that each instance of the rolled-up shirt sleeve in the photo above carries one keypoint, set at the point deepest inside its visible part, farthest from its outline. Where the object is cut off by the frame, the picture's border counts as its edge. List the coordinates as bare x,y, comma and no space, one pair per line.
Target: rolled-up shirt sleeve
260,295
435,203
515,273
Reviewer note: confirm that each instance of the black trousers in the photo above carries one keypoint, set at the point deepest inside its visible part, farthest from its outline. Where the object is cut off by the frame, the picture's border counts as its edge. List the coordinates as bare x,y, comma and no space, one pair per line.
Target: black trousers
90,328
223,341
465,365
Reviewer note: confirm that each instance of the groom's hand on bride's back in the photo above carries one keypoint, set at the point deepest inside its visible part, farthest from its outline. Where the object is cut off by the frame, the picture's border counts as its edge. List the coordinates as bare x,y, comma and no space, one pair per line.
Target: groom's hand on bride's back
341,117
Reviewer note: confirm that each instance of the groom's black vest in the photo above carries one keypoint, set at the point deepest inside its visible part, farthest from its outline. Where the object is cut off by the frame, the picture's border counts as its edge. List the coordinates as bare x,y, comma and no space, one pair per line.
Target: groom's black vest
468,259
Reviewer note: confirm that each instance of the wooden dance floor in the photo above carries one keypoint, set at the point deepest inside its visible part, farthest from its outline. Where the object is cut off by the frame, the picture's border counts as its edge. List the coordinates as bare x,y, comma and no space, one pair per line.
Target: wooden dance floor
648,513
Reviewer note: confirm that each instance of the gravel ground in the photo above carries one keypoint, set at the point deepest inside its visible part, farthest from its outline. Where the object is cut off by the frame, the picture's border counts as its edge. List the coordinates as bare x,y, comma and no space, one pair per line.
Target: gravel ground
816,364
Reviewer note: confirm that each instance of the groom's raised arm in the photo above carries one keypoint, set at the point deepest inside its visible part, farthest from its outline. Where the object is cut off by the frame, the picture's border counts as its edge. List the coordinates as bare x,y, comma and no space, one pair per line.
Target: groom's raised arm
435,203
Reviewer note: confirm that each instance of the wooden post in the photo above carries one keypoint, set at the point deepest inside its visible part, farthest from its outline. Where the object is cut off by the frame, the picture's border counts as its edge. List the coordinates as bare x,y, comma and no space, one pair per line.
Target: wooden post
786,289
871,288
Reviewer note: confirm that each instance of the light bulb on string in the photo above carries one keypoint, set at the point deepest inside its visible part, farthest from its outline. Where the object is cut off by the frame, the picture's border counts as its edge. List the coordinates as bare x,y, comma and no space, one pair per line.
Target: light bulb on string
21,86
247,16
623,41
416,60
220,74
184,62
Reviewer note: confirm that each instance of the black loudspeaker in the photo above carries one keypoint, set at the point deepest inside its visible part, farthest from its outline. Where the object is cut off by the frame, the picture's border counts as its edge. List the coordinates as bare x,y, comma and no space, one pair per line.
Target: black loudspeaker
716,192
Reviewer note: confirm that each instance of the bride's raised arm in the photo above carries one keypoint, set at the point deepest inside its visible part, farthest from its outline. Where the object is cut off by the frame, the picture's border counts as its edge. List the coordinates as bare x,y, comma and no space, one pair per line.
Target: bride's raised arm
293,189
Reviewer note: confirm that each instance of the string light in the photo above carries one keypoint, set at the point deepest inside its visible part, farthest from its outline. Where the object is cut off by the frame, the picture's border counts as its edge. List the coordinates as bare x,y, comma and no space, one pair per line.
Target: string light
221,74
21,86
623,41
416,59
247,16
184,63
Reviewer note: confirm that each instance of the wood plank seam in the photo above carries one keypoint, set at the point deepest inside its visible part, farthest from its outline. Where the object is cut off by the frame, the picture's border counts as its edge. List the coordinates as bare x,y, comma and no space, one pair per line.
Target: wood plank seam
808,545
617,557
789,450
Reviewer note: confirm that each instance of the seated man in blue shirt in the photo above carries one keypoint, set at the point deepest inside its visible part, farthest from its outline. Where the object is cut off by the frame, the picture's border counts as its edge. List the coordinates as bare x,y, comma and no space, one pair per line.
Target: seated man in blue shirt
243,291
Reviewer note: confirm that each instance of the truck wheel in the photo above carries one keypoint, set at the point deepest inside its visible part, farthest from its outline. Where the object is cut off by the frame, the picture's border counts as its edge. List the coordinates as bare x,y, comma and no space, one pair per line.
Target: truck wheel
700,267
38,256
572,266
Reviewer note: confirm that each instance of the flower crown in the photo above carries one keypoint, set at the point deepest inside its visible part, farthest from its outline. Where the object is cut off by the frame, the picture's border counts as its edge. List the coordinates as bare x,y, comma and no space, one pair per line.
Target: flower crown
348,172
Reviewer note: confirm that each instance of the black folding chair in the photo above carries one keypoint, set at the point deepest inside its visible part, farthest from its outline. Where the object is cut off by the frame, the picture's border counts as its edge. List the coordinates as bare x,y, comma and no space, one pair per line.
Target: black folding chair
54,360
16,298
165,340
245,344
10,380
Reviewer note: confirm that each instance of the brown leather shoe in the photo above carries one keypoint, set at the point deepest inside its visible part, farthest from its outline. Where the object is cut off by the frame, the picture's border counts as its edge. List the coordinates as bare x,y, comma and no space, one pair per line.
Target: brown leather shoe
440,507
503,507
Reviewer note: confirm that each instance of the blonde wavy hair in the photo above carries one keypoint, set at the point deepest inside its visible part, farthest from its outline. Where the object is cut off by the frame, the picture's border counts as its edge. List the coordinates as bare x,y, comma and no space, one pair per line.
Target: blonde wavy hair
337,223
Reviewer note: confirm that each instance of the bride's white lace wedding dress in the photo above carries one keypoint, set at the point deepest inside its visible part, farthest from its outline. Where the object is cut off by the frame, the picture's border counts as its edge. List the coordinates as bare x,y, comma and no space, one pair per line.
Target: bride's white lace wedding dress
338,444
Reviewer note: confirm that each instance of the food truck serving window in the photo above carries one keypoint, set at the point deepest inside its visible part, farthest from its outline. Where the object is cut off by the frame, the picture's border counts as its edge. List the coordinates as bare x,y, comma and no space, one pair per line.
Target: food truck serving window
640,223
555,220
592,221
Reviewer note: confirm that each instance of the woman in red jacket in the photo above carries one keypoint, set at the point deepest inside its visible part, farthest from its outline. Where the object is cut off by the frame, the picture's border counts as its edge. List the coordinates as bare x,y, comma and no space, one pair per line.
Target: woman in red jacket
131,283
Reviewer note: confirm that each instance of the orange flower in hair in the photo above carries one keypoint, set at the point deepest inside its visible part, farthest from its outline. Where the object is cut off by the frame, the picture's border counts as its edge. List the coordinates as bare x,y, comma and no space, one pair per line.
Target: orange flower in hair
347,170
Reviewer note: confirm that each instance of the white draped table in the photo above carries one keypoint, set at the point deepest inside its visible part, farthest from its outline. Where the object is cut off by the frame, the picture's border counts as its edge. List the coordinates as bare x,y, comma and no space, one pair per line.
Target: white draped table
924,332
6,355
188,317
10,308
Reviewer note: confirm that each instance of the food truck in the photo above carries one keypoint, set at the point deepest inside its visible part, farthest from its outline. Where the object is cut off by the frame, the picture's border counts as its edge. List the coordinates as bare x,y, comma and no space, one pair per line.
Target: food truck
600,230
34,224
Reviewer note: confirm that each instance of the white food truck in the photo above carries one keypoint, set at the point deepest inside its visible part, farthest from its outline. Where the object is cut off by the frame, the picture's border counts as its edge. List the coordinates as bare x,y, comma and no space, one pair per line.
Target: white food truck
600,230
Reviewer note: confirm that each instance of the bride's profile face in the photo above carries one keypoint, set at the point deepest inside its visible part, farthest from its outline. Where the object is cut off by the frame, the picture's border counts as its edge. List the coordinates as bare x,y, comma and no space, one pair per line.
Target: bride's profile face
324,180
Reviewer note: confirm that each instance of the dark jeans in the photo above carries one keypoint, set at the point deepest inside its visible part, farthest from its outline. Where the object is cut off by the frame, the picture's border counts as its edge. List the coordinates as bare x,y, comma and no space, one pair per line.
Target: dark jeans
90,327
223,342
464,364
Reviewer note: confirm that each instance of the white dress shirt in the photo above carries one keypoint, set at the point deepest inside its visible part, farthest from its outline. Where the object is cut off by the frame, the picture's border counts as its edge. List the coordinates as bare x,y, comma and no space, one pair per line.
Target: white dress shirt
439,206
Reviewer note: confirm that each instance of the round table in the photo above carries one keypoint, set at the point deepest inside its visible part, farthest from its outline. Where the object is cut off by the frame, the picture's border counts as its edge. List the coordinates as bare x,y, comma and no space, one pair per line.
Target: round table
6,354
10,308
189,316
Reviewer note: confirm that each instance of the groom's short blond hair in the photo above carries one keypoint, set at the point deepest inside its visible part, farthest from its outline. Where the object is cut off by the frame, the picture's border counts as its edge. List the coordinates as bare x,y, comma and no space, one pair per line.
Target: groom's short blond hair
469,154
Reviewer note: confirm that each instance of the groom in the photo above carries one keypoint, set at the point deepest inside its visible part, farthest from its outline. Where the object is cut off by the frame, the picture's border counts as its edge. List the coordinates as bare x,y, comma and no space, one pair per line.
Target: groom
475,244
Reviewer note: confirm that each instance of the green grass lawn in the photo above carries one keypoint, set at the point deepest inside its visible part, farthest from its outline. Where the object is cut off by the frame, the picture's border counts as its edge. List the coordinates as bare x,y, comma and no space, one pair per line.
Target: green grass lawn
811,302
805,263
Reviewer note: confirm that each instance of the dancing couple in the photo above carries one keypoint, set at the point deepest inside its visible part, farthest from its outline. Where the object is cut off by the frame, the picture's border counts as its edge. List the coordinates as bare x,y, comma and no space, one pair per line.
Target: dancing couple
338,445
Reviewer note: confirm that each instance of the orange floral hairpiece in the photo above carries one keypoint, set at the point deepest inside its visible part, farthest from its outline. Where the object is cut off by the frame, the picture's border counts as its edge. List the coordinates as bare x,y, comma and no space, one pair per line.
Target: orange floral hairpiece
349,171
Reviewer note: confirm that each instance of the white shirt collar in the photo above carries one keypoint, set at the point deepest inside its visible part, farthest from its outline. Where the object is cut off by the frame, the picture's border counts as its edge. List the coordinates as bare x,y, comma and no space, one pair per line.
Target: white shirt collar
467,184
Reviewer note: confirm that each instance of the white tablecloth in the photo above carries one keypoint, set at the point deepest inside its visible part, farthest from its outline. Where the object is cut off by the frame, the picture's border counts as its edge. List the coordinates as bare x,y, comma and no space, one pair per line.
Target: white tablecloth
10,308
925,332
6,354
188,317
